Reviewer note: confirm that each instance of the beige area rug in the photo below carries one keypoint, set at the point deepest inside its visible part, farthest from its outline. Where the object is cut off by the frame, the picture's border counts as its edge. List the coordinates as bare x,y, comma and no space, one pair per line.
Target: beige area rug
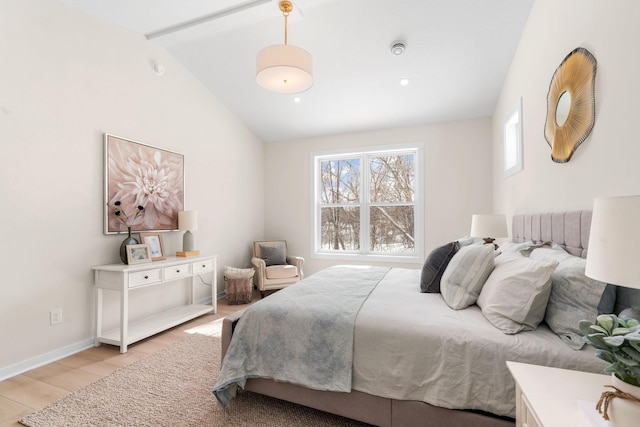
172,387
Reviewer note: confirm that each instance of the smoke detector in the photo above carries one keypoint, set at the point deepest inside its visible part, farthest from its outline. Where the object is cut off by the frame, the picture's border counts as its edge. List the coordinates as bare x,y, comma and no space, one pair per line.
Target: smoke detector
398,47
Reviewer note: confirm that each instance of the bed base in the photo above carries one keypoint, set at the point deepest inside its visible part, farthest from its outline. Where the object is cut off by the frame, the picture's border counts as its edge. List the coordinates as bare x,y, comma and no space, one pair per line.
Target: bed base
568,229
364,407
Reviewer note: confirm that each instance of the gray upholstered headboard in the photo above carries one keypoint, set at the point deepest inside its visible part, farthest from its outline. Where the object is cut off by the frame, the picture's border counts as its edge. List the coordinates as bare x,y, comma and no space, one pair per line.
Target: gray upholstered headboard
568,229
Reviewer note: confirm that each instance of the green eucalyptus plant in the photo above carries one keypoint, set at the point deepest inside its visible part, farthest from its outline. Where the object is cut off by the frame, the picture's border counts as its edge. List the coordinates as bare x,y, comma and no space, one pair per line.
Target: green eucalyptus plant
617,341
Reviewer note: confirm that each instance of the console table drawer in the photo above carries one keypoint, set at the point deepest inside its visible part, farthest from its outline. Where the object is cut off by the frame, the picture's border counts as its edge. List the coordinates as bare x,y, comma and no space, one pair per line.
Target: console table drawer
199,266
144,277
176,271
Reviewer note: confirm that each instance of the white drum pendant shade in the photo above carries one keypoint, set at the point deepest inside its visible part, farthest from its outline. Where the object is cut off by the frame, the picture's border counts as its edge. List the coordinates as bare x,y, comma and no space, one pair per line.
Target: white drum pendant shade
283,68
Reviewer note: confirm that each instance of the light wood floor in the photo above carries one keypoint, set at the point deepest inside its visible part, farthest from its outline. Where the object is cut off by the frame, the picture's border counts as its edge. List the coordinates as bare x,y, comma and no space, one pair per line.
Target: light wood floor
33,390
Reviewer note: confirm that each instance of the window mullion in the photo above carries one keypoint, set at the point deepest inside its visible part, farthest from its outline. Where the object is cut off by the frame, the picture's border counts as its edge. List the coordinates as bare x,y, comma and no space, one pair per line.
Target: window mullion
365,199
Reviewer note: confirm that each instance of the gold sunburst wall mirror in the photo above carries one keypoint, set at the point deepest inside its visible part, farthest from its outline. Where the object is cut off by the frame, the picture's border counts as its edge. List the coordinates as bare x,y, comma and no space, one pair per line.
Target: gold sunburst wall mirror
571,104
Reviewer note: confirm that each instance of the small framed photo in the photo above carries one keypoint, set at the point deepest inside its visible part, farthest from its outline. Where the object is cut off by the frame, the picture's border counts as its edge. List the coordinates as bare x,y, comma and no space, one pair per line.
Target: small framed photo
154,240
138,254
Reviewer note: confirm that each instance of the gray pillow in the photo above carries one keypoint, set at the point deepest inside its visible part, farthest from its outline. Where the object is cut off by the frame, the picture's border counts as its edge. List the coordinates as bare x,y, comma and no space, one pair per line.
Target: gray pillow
607,303
273,255
574,296
465,275
434,266
515,295
626,298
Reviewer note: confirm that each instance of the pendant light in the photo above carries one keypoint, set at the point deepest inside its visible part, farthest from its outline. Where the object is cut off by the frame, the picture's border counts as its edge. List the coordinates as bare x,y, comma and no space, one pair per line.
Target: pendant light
283,68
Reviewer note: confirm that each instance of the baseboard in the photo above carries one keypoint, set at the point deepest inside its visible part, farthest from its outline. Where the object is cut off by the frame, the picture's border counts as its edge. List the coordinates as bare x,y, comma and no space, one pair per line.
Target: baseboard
45,359
60,353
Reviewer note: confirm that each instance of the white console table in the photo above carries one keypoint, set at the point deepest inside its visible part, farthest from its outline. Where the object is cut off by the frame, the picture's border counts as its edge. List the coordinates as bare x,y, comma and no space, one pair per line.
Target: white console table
127,278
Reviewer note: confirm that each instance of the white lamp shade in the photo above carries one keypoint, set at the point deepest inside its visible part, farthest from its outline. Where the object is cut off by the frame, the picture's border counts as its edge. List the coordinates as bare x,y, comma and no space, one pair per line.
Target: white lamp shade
188,220
613,255
284,69
490,225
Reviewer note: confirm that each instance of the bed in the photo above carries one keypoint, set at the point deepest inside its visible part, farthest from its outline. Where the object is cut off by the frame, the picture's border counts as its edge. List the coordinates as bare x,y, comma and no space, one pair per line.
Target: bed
416,361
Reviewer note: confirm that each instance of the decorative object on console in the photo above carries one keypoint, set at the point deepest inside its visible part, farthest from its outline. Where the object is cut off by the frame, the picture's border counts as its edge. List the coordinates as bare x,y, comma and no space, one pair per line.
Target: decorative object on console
489,227
121,214
138,254
571,105
141,175
156,245
123,246
613,258
187,222
283,68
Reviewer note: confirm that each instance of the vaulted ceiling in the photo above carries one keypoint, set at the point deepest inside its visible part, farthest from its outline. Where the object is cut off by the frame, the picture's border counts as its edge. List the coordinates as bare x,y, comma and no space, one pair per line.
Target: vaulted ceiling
457,57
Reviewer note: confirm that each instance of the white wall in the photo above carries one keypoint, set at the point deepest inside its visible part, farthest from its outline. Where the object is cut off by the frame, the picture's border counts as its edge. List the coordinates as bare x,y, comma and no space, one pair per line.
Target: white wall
457,158
65,79
607,162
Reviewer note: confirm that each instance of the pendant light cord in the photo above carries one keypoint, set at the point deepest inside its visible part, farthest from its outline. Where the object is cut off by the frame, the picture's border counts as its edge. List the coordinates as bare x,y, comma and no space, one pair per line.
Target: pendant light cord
286,16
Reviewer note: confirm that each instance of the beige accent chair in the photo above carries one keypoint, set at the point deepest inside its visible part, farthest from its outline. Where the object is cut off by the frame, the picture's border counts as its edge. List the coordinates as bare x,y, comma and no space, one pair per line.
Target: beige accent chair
275,269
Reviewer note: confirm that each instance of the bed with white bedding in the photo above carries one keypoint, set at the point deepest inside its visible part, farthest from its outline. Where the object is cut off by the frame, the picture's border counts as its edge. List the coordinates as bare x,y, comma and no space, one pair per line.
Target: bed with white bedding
414,359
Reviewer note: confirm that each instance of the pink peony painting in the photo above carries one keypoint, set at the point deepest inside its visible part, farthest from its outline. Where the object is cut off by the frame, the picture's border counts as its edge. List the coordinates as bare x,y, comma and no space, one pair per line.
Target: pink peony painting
142,175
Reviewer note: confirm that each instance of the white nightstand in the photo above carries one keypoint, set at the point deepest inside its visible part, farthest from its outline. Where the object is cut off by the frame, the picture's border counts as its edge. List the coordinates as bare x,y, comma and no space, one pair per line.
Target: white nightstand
548,397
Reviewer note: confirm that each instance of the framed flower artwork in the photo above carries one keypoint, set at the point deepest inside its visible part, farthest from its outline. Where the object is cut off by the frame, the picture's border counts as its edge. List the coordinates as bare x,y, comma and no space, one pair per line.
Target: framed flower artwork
143,186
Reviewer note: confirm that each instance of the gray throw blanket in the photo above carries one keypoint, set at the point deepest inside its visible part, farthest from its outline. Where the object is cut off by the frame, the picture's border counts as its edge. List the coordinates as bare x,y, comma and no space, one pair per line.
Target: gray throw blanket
302,334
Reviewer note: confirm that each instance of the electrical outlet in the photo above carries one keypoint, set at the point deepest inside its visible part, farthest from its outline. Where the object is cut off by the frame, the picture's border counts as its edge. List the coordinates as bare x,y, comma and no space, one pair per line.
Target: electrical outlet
56,316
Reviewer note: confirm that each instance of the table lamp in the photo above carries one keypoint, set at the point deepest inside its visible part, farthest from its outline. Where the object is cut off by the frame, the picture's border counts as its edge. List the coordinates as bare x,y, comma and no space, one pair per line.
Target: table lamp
489,226
188,222
613,255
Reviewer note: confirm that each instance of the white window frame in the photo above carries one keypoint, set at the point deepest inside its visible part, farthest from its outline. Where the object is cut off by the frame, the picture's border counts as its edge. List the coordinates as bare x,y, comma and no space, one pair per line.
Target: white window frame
363,254
513,156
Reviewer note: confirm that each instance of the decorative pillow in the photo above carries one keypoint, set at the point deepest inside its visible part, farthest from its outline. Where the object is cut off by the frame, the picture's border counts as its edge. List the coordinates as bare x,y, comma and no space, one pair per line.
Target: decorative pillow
525,248
514,248
626,298
515,295
466,273
607,303
466,241
574,296
435,265
273,255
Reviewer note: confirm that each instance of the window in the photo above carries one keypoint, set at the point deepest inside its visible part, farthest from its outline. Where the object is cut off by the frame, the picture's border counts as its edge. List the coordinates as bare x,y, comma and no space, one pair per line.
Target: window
513,157
366,204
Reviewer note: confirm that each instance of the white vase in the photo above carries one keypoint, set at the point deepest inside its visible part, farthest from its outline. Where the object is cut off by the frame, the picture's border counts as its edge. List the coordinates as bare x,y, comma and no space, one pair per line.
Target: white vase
624,412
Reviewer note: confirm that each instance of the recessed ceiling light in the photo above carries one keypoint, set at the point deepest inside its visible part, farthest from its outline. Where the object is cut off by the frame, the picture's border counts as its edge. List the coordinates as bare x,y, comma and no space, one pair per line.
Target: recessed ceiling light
404,82
297,100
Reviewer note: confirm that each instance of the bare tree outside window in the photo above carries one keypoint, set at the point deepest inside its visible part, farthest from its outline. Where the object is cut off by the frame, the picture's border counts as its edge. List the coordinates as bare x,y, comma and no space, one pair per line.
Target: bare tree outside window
391,194
340,201
384,208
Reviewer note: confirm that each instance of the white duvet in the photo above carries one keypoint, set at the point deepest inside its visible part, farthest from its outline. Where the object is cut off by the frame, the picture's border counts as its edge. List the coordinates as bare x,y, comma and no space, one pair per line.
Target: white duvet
411,346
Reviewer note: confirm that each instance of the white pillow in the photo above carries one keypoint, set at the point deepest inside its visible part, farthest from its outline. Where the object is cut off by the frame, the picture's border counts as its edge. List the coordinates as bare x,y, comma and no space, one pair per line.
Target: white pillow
467,271
515,295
